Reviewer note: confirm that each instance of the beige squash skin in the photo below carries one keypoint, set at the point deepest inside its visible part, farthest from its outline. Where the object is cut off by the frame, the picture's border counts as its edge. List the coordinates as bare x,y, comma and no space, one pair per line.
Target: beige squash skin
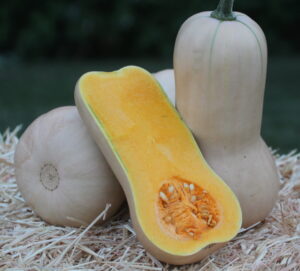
220,74
167,81
86,182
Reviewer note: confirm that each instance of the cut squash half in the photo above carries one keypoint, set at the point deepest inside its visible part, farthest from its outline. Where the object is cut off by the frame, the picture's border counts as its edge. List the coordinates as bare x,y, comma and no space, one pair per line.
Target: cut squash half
180,209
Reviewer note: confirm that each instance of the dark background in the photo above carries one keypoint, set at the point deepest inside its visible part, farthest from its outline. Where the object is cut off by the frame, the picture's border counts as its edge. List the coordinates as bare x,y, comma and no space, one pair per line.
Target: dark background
46,45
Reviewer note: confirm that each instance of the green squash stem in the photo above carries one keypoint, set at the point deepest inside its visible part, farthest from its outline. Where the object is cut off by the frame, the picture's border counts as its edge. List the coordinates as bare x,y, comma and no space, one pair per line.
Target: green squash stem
223,11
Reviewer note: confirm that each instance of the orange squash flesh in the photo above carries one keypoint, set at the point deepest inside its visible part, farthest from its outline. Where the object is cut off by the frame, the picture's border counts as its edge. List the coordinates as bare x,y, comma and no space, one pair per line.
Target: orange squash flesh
180,204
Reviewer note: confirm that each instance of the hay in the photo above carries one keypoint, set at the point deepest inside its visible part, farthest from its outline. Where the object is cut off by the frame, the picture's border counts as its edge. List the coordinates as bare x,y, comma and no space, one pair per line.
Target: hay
28,243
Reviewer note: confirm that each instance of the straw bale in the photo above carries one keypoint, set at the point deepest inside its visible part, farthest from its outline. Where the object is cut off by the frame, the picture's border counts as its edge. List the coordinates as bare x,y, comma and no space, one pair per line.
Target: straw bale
28,243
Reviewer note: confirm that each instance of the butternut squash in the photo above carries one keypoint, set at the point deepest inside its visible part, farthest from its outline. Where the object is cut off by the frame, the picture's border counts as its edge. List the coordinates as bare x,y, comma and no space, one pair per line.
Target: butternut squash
61,173
167,81
220,62
181,210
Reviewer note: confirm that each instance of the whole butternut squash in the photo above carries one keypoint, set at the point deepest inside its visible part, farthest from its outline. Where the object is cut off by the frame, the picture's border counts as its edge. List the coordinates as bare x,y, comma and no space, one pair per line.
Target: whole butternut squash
220,63
60,172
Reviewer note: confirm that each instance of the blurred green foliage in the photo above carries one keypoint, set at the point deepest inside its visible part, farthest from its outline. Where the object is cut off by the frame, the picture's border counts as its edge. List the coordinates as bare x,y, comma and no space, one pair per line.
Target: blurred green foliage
104,28
54,36
31,89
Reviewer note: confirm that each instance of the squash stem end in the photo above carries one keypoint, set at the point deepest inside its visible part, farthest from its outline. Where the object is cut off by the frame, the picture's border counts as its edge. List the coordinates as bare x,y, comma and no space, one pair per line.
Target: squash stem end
223,11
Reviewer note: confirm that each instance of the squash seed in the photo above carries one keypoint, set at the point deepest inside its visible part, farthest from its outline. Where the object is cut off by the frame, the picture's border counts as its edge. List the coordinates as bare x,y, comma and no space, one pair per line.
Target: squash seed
171,189
163,196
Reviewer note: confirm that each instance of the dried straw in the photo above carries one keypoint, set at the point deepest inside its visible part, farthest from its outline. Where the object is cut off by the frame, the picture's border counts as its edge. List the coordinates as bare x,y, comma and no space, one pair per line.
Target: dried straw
28,243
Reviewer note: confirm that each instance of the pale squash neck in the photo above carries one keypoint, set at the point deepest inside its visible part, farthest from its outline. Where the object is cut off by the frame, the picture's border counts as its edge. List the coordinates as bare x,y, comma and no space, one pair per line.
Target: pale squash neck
223,11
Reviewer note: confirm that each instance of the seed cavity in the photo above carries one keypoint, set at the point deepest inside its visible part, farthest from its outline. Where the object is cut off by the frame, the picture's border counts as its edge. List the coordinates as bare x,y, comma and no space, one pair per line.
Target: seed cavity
186,209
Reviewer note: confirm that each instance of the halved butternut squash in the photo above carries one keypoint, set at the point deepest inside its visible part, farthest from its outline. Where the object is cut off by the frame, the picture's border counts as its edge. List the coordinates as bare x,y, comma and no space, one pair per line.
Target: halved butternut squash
180,209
